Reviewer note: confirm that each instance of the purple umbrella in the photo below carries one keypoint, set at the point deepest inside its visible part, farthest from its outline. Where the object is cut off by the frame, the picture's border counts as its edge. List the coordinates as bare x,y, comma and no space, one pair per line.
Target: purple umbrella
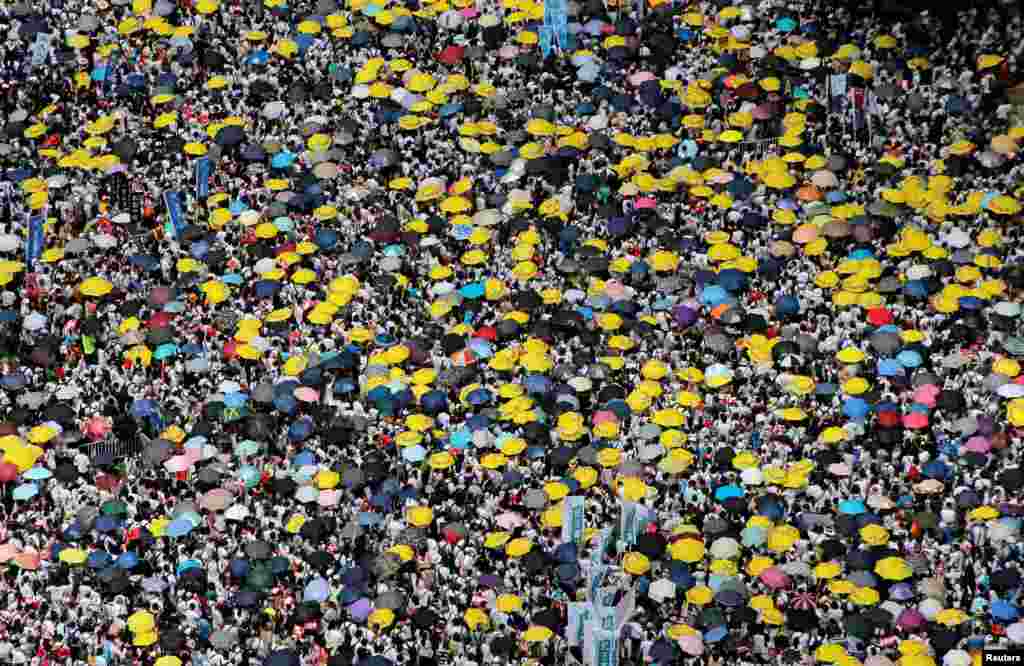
911,618
684,315
361,609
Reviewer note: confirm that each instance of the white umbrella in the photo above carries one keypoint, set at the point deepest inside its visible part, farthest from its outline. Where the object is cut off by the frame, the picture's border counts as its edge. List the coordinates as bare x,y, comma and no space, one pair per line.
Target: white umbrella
957,658
662,589
236,512
930,608
1015,632
34,322
725,548
752,476
9,243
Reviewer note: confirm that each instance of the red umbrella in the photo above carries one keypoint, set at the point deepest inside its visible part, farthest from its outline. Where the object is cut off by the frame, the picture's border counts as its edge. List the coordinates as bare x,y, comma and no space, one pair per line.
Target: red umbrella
452,55
888,419
804,601
879,317
160,320
915,420
8,472
487,333
96,428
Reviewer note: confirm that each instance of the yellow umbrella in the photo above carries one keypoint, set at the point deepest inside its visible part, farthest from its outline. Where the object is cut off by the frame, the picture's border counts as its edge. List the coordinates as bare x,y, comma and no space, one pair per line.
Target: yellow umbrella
420,516
476,618
145,639
168,660
141,622
893,568
381,617
95,287
518,547
508,603
636,563
537,634
700,595
73,556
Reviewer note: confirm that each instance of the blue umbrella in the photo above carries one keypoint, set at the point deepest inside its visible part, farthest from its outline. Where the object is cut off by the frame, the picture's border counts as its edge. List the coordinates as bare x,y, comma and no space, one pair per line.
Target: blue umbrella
473,290
909,358
179,527
25,491
1004,610
317,591
99,559
890,367
106,524
713,295
282,160
716,634
852,507
127,560
166,350
414,454
480,396
300,430
143,408
37,474
461,439
856,408
726,492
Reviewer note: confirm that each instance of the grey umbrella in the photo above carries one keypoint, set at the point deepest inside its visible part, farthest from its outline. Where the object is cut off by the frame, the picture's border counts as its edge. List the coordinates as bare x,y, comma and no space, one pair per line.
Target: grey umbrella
797,568
393,40
263,393
835,163
88,22
587,455
86,516
351,531
274,110
78,245
535,499
649,431
886,342
503,157
392,599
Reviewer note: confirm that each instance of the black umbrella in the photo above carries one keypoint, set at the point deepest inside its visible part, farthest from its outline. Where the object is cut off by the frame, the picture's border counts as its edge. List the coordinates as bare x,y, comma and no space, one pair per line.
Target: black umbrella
230,135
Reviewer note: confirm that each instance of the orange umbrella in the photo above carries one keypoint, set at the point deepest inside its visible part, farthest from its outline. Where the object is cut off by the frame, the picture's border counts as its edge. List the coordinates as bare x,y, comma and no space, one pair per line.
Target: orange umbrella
808,193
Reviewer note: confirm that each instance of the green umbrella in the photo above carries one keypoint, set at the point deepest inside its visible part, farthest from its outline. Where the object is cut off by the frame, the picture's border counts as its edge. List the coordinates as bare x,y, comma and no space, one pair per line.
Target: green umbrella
114,508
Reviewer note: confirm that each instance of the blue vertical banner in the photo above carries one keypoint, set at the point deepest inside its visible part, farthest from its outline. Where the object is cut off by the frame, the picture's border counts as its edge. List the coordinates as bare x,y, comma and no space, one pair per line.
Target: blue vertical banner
34,244
580,614
573,519
629,523
545,34
172,200
605,648
203,169
556,19
600,545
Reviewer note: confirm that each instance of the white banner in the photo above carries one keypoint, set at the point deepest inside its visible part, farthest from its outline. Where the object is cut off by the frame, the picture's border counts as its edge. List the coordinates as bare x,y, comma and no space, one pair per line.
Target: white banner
573,519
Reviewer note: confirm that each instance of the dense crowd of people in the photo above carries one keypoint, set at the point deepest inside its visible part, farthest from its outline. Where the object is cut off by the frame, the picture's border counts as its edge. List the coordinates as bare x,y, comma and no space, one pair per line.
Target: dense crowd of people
405,332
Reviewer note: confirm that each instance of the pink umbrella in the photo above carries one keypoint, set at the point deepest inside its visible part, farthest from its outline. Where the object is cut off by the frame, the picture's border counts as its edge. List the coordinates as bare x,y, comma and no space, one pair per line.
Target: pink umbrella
775,578
805,234
878,660
979,444
641,77
8,552
508,52
96,428
177,464
839,469
29,559
647,203
604,415
329,498
911,618
217,499
915,421
509,520
927,394
470,12
803,601
692,645
614,290
306,394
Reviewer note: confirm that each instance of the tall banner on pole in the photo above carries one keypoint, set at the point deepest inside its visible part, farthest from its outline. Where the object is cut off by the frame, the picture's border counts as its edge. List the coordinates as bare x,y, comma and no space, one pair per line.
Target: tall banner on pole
573,519
34,244
203,167
172,200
